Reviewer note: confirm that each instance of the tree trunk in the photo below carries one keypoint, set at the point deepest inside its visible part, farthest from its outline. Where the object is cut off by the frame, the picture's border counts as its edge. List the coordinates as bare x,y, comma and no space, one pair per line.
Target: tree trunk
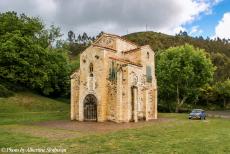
177,109
180,103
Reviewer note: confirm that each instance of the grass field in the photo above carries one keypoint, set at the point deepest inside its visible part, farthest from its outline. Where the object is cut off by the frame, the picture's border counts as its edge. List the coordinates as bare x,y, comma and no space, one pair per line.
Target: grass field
177,135
27,107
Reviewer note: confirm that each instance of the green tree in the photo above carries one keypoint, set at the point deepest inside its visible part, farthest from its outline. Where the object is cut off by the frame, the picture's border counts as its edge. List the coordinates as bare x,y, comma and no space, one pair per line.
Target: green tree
223,90
25,58
71,36
28,26
182,71
208,94
54,34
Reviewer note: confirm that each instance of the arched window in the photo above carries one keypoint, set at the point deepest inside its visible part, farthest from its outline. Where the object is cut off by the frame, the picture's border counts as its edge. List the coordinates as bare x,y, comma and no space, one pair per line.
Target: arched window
91,69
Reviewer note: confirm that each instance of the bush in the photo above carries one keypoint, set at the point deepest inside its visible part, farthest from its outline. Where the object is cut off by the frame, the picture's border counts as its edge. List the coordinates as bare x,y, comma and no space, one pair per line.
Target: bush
4,92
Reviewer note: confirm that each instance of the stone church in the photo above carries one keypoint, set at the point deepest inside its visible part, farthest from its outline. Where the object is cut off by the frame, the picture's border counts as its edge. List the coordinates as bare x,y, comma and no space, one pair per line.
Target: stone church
116,82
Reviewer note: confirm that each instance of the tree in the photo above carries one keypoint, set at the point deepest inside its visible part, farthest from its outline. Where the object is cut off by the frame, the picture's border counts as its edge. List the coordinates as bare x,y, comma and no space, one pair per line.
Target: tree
85,38
208,94
182,33
71,36
100,34
79,39
182,71
223,90
25,59
28,26
54,34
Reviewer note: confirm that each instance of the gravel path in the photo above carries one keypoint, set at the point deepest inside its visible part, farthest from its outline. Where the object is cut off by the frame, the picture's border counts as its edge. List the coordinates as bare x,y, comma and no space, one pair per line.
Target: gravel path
221,114
98,126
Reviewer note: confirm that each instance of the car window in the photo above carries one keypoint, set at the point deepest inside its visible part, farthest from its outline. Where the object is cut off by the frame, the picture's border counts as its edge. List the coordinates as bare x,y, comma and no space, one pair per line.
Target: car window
196,111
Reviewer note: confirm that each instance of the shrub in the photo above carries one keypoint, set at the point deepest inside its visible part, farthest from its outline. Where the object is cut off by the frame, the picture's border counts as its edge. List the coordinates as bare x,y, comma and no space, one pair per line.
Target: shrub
4,92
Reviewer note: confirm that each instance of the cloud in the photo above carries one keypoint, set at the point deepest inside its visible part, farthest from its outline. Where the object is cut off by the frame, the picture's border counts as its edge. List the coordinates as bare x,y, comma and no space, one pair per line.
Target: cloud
195,30
222,29
116,16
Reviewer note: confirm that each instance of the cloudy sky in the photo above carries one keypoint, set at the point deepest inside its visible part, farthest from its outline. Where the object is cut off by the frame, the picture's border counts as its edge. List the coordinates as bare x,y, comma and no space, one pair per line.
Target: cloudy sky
198,17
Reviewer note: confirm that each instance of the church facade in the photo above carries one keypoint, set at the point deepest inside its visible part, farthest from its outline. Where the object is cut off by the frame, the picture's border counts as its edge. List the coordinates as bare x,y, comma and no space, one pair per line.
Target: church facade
115,82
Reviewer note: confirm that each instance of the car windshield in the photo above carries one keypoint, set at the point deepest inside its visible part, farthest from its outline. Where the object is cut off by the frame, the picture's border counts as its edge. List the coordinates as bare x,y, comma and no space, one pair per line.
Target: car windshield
196,111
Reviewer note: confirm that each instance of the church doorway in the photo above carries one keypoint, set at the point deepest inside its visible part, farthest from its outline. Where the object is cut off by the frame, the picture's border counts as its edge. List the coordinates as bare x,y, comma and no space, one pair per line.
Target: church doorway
90,108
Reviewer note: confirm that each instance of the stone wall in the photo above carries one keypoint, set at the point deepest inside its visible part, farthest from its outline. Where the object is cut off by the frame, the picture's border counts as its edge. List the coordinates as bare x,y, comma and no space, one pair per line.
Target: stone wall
94,84
75,82
114,98
122,45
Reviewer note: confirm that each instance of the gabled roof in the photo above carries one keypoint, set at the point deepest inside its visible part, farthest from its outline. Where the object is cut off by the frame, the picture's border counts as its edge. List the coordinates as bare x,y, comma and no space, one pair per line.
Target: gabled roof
117,36
113,36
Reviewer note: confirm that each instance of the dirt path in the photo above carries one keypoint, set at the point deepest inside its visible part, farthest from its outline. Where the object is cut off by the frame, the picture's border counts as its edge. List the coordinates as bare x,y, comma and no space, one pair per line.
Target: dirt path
100,127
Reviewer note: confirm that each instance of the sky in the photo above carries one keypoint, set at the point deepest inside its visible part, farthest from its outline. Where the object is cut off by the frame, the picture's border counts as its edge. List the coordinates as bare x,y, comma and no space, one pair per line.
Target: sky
207,18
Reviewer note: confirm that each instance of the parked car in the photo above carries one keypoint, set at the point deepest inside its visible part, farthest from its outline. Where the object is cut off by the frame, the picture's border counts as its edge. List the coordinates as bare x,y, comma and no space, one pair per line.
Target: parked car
197,114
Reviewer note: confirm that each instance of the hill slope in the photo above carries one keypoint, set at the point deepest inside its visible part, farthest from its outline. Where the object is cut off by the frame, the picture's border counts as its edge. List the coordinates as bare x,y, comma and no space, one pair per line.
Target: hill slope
28,107
218,49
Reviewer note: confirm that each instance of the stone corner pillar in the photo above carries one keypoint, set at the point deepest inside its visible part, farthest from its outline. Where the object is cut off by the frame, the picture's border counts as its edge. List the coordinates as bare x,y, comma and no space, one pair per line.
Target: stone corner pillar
146,106
155,103
73,100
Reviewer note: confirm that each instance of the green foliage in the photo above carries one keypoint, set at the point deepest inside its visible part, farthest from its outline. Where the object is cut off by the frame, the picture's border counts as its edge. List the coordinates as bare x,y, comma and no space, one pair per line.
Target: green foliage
208,94
223,90
57,70
54,34
75,63
11,22
182,71
25,56
4,92
218,49
223,66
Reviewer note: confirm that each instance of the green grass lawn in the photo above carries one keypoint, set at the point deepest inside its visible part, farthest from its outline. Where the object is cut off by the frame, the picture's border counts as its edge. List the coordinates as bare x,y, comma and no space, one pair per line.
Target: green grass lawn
179,135
27,107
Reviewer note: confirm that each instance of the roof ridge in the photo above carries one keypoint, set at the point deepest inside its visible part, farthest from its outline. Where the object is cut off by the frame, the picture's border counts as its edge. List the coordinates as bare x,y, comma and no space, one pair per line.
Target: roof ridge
122,38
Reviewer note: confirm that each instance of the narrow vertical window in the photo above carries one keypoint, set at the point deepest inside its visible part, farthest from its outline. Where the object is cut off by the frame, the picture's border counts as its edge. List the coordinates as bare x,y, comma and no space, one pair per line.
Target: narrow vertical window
91,69
148,74
147,55
113,72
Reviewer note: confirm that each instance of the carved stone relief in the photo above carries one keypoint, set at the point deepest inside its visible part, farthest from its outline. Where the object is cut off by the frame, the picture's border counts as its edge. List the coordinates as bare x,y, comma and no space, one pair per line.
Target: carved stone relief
134,80
107,42
91,84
